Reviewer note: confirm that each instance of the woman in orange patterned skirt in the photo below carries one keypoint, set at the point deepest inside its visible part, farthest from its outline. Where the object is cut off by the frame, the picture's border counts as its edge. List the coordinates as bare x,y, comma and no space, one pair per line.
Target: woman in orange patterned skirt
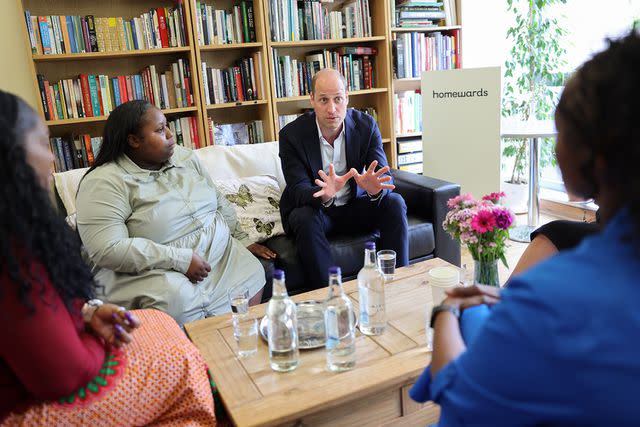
65,358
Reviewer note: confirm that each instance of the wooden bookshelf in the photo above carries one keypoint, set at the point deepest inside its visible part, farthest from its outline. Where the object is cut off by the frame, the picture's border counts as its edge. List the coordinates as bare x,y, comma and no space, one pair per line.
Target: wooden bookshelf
55,67
378,97
269,107
225,55
412,83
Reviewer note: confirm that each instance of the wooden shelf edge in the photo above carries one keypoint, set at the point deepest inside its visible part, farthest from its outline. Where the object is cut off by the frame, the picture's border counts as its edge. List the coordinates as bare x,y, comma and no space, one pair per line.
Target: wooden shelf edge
103,55
236,104
104,118
386,140
214,47
424,29
351,93
322,42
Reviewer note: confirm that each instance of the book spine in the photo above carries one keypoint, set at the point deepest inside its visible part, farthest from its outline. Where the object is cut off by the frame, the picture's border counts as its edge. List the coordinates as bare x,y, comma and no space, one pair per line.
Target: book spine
245,21
91,27
87,148
43,97
162,27
44,35
32,36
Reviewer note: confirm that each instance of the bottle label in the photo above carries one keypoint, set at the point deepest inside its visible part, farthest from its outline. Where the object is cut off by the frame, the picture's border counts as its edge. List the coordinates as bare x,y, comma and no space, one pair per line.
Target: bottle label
331,328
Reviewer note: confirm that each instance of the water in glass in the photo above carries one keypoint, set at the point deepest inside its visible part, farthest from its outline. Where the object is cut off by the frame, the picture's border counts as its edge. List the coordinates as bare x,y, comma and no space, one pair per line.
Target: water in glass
373,317
387,264
339,325
282,329
245,331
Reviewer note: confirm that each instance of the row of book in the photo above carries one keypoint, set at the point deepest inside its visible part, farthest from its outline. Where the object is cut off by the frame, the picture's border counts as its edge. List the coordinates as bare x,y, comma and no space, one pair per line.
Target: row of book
219,26
159,28
91,95
293,20
416,52
408,108
241,82
76,151
410,152
185,132
293,77
251,132
422,13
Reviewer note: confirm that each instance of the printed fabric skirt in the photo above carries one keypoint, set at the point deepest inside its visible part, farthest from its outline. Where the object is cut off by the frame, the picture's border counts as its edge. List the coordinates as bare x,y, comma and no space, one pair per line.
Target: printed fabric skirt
159,379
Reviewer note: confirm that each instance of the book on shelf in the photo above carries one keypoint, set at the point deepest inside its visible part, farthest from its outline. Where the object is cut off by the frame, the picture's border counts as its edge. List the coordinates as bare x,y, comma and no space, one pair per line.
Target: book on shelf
76,151
90,95
185,132
416,52
162,27
408,108
251,132
293,20
219,26
409,145
241,82
414,168
293,76
408,158
422,14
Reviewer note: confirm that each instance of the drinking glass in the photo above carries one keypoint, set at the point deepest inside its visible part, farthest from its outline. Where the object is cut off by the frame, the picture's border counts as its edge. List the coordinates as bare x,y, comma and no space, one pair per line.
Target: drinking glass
239,300
387,263
245,331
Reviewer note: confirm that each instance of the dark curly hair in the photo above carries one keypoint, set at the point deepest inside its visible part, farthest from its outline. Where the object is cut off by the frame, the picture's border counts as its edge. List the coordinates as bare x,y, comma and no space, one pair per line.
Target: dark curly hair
126,119
601,109
30,227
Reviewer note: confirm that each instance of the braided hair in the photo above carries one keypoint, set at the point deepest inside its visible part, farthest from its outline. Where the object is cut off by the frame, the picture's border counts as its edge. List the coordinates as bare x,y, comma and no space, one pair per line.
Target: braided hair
126,119
30,227
601,109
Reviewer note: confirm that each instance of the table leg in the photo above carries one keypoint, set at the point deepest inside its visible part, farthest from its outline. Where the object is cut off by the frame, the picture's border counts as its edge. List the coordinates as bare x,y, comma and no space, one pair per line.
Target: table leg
521,233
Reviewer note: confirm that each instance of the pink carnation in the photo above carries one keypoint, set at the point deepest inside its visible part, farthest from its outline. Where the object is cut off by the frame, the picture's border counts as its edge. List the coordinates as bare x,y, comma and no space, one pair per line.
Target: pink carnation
483,221
504,218
494,197
460,200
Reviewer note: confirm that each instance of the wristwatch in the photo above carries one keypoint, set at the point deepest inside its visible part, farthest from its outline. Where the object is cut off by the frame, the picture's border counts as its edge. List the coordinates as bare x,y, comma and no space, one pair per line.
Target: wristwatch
443,307
89,308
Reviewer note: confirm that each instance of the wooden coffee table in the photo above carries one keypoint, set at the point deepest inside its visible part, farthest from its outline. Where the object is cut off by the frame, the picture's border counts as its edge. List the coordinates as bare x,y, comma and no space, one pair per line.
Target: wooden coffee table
374,393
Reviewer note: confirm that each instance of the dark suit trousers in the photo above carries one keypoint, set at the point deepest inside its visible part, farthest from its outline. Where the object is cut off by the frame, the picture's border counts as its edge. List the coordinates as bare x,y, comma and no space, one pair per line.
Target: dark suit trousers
310,227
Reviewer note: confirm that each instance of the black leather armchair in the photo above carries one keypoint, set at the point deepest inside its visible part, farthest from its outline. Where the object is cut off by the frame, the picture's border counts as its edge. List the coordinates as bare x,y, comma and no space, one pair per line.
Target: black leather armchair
426,200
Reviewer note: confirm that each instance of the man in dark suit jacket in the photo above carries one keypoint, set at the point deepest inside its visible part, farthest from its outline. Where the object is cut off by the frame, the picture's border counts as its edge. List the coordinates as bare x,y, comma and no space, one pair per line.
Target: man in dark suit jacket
320,152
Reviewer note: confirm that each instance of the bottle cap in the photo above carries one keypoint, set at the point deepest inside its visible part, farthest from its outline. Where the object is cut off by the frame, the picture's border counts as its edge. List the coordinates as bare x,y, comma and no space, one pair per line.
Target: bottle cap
278,274
335,270
370,245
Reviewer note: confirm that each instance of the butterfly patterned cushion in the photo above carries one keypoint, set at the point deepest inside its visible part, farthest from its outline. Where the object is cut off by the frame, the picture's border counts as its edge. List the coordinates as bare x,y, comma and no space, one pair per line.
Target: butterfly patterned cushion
257,203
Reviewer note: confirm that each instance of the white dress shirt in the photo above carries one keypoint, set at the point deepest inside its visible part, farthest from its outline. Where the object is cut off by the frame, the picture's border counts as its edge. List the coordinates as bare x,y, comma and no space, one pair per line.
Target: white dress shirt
336,154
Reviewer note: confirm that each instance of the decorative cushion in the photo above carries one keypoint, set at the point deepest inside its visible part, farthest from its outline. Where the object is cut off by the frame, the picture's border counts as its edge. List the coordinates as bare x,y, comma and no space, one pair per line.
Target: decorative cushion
242,161
256,200
67,186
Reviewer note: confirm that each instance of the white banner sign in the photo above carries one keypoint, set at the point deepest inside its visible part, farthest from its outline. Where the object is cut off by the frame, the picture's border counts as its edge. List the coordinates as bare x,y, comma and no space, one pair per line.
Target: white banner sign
461,128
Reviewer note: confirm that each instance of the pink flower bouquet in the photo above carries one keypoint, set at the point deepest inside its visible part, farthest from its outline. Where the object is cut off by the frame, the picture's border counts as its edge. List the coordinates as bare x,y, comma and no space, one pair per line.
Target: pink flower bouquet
482,225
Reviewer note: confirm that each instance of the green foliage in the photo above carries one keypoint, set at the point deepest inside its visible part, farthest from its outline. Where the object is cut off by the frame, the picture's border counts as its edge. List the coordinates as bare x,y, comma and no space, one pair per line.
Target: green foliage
536,59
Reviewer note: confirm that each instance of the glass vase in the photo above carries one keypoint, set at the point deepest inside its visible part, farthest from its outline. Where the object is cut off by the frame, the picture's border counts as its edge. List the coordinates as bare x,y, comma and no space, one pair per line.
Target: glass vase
486,273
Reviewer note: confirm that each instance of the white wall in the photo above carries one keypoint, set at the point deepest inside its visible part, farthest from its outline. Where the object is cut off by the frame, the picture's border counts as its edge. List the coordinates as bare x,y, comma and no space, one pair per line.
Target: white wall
484,33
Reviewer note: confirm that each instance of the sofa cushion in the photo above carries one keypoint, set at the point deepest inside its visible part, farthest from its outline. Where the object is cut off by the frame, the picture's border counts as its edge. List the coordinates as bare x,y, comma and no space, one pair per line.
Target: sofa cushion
256,201
421,238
